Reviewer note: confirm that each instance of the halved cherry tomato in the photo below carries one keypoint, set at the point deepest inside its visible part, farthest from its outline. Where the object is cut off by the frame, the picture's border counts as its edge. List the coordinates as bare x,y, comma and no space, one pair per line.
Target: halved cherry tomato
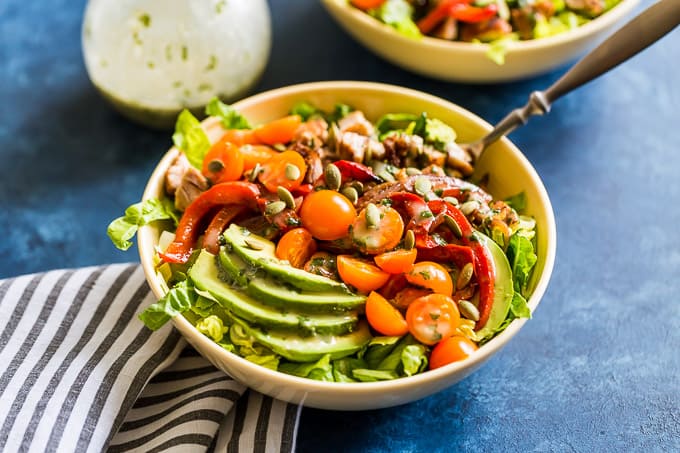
255,154
431,275
381,237
365,5
432,318
396,262
223,162
451,349
240,137
296,246
278,131
361,274
327,214
383,317
407,295
273,172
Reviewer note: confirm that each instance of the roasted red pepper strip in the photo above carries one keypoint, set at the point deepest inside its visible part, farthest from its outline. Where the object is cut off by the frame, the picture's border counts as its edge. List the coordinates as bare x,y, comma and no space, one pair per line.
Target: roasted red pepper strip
473,14
218,224
421,218
482,261
233,192
438,14
357,171
459,255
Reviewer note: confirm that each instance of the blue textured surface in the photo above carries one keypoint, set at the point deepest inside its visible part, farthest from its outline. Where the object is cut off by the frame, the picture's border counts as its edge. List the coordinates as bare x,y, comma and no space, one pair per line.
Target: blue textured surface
597,369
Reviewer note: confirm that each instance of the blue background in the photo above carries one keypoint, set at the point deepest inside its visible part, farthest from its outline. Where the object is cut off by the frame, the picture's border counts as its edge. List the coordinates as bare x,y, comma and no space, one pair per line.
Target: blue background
598,367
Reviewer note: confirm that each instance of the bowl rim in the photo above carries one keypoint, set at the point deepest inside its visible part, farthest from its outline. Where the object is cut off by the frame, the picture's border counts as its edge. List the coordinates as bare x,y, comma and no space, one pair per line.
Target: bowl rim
600,23
354,388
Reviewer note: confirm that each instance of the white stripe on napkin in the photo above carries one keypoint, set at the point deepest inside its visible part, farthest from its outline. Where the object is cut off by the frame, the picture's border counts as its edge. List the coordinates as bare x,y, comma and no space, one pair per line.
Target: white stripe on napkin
81,373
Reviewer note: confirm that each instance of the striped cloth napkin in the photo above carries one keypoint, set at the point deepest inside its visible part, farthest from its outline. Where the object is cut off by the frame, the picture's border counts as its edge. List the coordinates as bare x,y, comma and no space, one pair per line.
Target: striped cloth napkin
81,373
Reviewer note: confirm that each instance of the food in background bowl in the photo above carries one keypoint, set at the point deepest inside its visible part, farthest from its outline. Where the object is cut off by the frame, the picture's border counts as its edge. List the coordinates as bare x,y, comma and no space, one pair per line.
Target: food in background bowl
293,340
490,51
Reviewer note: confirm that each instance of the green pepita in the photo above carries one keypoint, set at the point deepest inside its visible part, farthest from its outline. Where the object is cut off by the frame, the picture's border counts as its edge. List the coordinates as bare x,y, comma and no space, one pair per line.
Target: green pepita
422,185
359,186
372,216
409,240
469,207
412,171
453,226
351,194
451,200
333,177
257,169
252,244
292,172
464,276
468,310
286,197
274,208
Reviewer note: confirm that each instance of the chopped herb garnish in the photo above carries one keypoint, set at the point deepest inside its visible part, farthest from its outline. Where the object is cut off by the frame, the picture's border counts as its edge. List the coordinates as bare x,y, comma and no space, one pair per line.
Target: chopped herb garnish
145,19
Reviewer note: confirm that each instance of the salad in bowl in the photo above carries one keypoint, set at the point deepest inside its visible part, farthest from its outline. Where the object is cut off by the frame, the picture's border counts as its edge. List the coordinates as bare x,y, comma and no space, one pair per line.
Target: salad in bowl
333,245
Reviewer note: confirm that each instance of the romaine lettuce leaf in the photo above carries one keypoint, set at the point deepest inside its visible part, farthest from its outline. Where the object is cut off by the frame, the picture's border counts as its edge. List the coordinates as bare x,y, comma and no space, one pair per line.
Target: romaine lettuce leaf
122,229
368,375
321,370
519,307
414,359
518,202
397,14
212,327
270,361
438,133
190,138
391,122
305,110
343,368
179,299
522,259
230,118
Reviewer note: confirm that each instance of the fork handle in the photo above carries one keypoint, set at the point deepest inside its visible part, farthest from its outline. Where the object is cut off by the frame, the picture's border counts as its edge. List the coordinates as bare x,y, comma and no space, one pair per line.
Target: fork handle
645,29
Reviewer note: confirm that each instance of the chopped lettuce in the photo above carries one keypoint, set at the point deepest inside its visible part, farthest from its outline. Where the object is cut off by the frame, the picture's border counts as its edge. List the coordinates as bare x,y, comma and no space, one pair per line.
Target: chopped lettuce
518,202
339,112
438,133
179,299
122,229
305,110
228,115
321,370
522,259
368,375
213,327
394,122
270,361
397,14
519,306
190,138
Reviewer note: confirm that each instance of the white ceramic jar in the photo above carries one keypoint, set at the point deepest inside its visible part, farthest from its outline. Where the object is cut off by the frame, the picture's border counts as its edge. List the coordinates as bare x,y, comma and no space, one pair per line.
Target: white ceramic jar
152,58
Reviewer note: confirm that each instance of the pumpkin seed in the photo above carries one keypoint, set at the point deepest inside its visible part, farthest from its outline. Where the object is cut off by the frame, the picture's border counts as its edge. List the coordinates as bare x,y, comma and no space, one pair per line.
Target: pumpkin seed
422,185
372,216
453,226
359,186
464,276
274,208
469,206
351,194
252,244
452,200
411,171
292,172
409,240
286,197
257,169
468,310
332,176
280,147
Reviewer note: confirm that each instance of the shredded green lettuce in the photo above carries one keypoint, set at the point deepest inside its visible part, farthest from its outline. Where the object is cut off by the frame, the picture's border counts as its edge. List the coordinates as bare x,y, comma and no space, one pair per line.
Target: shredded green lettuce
394,122
212,327
124,228
397,14
190,138
179,299
518,202
270,361
321,370
438,133
519,306
305,110
230,118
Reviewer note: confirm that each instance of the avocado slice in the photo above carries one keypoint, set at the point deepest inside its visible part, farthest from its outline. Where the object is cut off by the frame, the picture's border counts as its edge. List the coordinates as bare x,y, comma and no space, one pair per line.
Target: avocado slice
205,275
259,252
308,349
503,287
279,294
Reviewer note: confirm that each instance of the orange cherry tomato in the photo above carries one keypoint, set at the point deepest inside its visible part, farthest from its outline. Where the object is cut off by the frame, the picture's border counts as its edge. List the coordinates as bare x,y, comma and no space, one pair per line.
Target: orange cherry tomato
278,131
240,137
396,262
223,162
431,275
256,154
367,4
451,349
383,317
432,318
383,236
361,274
296,246
273,172
327,214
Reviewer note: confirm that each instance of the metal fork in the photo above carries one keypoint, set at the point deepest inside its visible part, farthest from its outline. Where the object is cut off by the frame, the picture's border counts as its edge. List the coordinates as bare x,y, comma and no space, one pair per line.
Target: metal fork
645,29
